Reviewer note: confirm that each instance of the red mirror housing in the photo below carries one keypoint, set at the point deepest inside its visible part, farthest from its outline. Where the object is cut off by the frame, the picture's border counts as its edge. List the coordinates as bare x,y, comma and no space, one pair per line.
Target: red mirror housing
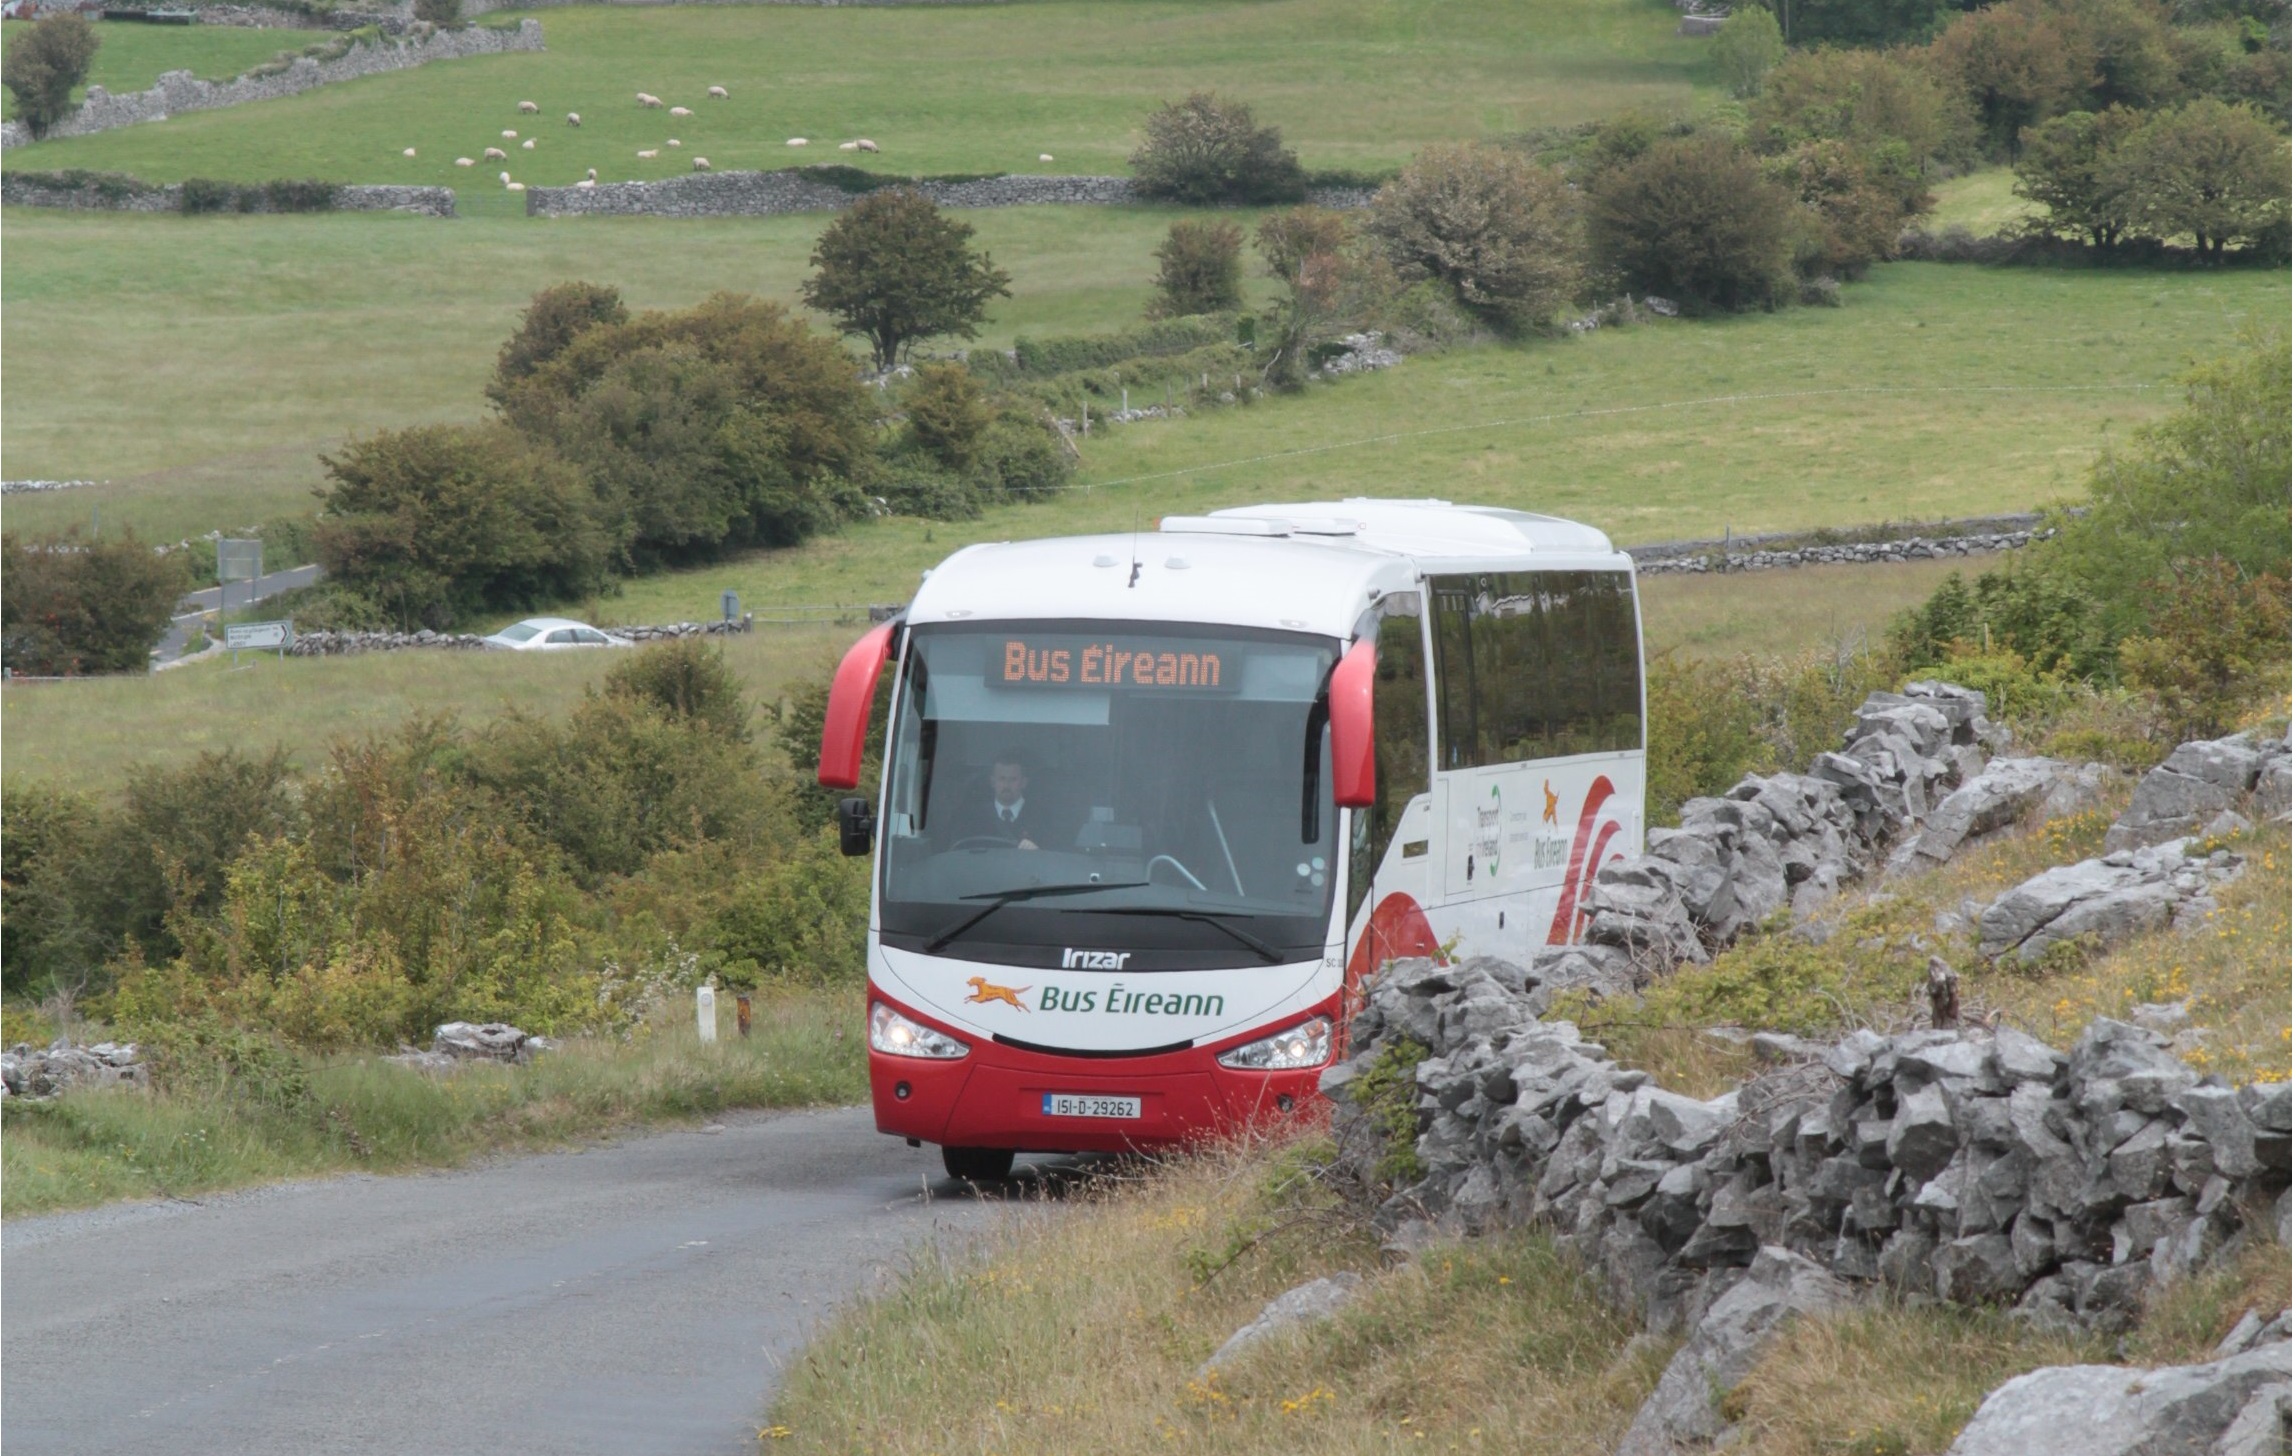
1354,774
845,727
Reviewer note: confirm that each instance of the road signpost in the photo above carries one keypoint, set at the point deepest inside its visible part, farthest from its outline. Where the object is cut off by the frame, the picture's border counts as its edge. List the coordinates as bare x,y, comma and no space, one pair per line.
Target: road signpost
234,561
259,637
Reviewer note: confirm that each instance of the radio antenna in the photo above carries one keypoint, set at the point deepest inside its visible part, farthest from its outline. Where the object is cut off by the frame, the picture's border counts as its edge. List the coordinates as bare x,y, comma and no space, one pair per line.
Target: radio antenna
1135,578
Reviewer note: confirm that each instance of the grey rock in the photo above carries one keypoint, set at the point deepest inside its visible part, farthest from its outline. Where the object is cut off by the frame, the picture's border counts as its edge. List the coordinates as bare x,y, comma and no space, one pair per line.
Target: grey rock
493,1042
1778,1287
2215,1113
2261,1428
2199,780
1999,796
37,1074
1318,1299
1921,1137
2106,1410
1977,1269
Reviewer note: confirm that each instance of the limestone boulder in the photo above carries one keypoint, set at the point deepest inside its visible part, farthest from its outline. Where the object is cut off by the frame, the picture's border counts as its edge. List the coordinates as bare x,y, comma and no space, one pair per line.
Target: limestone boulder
2109,1410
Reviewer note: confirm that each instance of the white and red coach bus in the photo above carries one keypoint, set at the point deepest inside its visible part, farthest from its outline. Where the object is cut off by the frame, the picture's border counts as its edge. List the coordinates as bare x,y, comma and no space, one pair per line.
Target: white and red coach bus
1154,806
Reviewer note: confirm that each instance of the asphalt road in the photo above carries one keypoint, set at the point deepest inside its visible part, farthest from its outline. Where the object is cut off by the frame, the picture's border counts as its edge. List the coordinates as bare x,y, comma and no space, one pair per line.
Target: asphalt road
637,1297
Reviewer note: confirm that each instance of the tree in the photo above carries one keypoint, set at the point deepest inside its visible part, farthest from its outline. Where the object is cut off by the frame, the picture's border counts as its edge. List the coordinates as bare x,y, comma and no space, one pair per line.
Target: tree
2019,63
948,415
1306,252
439,522
1746,48
44,63
552,320
1898,115
1499,229
1205,151
1200,269
894,269
727,424
2217,172
68,608
2067,165
1695,220
1858,22
1852,223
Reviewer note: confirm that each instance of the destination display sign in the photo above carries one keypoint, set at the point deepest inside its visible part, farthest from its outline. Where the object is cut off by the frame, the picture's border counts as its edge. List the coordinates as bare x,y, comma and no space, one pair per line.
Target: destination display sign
1187,665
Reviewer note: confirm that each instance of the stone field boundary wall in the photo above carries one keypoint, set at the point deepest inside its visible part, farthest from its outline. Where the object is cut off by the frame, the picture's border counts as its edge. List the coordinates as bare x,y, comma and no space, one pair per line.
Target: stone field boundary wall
1912,541
17,191
762,194
181,91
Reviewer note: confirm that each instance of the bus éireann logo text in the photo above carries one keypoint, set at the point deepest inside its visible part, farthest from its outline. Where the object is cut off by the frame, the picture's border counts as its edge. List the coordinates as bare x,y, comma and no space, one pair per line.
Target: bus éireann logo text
1105,664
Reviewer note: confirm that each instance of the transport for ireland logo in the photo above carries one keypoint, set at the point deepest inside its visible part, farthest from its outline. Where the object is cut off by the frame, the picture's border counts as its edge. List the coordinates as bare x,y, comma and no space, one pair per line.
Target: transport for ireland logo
984,991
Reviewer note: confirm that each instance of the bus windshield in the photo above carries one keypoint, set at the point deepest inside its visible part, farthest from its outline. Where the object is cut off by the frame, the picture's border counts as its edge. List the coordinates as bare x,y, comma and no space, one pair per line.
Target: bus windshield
1157,788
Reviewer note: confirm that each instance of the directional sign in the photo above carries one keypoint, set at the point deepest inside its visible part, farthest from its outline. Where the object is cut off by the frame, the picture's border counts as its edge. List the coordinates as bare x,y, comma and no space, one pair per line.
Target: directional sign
258,636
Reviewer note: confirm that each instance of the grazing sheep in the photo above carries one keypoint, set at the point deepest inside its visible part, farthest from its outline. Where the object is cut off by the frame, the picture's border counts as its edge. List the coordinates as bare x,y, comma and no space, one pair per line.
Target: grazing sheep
673,142
587,182
795,142
593,174
514,187
701,164
849,146
505,178
866,145
527,108
410,151
573,118
718,93
464,162
680,111
1044,156
645,100
527,145
509,135
495,154
649,154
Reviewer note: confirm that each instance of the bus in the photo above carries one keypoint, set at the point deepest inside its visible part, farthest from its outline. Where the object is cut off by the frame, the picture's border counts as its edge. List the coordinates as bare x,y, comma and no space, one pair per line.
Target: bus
1153,806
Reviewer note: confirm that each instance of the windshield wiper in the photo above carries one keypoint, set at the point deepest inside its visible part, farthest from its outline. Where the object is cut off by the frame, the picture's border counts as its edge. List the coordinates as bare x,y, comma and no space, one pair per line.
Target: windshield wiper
998,899
1213,918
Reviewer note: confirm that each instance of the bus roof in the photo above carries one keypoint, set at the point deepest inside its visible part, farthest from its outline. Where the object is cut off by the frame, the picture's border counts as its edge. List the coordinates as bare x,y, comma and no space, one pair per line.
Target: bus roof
1311,566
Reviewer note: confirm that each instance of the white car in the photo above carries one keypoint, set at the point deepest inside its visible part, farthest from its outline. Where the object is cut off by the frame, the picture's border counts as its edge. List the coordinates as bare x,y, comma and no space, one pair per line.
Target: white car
552,634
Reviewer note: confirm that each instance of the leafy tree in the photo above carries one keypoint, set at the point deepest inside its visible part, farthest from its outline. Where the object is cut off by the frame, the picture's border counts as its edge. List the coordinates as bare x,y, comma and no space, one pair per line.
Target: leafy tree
45,61
1746,48
1500,230
727,424
552,320
687,680
2019,63
1859,22
68,608
1200,269
1306,250
2217,172
1696,220
948,415
1205,151
1852,222
894,269
439,522
2067,165
1898,115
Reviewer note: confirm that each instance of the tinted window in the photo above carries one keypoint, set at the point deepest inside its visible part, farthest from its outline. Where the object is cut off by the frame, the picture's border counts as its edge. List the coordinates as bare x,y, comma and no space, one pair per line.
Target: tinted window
1536,664
563,634
1399,712
519,633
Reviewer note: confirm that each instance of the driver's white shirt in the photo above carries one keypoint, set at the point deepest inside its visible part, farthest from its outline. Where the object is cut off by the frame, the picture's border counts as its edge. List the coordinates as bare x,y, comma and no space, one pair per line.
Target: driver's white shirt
1010,813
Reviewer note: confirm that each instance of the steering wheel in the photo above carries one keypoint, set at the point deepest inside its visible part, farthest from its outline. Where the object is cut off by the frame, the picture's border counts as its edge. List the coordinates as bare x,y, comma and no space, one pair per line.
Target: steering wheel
983,841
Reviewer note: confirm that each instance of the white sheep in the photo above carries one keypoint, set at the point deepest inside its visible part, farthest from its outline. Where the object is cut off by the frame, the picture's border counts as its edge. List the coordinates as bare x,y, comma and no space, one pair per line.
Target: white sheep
649,154
717,93
573,118
701,164
866,145
587,182
646,100
527,108
505,179
673,142
514,186
849,146
464,162
680,111
592,174
509,135
410,151
527,145
795,142
1044,156
495,154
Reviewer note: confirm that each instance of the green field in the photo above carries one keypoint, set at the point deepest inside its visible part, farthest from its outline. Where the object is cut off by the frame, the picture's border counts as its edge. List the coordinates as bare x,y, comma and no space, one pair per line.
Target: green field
1983,202
132,56
942,88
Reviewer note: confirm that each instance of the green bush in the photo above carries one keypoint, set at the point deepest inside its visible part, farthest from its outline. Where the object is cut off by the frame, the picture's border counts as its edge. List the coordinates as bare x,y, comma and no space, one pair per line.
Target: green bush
1695,220
1747,48
1207,152
1712,721
1499,230
2217,644
553,319
1038,358
947,416
439,12
1199,270
205,194
68,608
306,195
1025,455
45,62
687,681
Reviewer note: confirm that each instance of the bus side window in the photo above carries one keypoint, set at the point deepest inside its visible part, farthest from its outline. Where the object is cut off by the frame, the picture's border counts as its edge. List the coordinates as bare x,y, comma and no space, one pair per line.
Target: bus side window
1399,739
1537,664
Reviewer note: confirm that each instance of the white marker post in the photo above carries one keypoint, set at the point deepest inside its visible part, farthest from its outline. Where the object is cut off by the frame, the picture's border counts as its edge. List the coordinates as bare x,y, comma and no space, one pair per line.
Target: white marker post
705,1012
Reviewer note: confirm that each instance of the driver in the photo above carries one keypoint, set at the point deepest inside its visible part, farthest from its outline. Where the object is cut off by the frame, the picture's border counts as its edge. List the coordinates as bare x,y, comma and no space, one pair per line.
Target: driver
1005,813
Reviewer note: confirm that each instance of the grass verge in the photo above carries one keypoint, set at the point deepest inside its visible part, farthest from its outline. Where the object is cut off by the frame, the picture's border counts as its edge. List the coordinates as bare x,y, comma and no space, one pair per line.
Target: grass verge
360,1114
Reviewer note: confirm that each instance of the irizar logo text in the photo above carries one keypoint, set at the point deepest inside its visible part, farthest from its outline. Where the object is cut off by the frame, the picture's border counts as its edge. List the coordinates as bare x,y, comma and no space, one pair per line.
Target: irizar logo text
1072,959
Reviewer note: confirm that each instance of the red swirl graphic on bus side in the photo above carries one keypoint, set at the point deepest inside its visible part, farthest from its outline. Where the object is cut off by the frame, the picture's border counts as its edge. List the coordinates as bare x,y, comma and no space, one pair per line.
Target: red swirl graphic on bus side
1585,859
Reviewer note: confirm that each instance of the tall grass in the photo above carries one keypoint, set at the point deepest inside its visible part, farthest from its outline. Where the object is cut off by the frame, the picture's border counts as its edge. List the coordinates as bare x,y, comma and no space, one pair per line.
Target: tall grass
367,1115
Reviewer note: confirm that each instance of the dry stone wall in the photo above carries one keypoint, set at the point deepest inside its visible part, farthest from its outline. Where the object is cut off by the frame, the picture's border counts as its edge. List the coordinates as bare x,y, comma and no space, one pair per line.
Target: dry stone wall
759,194
119,194
181,91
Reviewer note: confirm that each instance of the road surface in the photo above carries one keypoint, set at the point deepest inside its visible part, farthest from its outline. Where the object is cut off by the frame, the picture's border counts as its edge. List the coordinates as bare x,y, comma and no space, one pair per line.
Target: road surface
632,1298
196,605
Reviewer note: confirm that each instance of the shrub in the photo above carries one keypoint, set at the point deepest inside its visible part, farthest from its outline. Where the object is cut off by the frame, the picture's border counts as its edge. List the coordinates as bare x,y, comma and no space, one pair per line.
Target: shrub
688,681
1746,48
894,269
205,194
1501,231
2067,164
1896,115
44,63
1862,22
439,12
1695,220
1205,151
1162,339
2018,63
438,522
2217,642
305,195
1307,252
1713,721
1025,454
1850,223
553,319
1199,270
948,416
68,608
2216,172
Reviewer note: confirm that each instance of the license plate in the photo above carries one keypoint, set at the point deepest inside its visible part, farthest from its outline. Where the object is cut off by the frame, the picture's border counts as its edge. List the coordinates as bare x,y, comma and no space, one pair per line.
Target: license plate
1077,1104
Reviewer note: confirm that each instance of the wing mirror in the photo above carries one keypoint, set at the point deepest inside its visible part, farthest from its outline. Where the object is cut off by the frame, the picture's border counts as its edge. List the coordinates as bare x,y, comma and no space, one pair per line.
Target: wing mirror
856,827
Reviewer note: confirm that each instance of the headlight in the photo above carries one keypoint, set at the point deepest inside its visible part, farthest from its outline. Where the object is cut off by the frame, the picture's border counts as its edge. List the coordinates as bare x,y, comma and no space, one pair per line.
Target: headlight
897,1036
1305,1045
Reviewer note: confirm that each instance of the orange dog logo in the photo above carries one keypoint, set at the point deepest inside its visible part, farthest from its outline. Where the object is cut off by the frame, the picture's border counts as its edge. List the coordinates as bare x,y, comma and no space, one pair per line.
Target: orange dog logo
983,992
1549,789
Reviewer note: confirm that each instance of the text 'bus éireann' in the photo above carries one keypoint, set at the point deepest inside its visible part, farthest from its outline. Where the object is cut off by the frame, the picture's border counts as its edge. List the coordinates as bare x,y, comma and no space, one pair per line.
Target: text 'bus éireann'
1154,806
